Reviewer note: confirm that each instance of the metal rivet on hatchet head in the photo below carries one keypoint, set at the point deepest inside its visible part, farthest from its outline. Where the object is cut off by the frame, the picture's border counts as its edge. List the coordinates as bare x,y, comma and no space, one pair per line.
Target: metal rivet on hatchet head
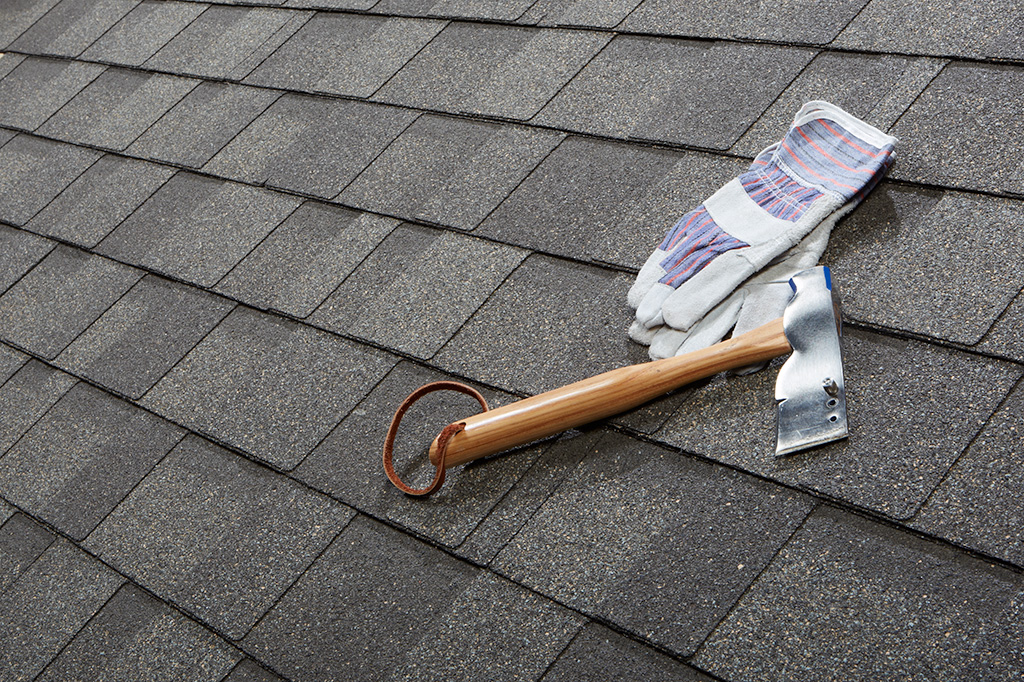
810,390
810,387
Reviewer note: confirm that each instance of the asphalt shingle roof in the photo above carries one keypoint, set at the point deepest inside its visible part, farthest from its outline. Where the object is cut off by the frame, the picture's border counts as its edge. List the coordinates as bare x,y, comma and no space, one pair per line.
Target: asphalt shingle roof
235,235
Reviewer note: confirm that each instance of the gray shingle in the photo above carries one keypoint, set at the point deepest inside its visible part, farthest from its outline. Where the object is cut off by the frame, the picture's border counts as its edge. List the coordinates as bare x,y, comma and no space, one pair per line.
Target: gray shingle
330,625
919,261
60,297
449,171
143,31
347,463
310,145
560,322
9,62
596,13
40,614
494,70
500,10
143,335
18,15
637,530
37,88
201,124
72,26
26,396
6,512
940,144
22,540
302,261
1004,338
33,171
599,654
268,386
135,635
603,201
779,20
11,361
332,4
116,108
899,393
248,671
978,504
227,42
217,534
975,28
197,228
21,250
851,599
417,289
876,88
345,54
677,91
82,458
99,200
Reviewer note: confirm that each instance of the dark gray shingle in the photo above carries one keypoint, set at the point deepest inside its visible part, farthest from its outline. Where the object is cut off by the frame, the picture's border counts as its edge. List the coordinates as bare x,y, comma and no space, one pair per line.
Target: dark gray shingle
99,200
500,10
599,654
677,91
331,624
885,256
636,531
22,540
779,20
309,144
900,394
345,54
268,386
206,524
978,504
35,89
417,289
941,144
143,335
116,108
201,124
78,461
1004,338
11,361
54,598
971,28
60,297
21,250
596,13
249,671
347,464
72,26
197,228
853,599
305,258
135,635
876,88
143,31
560,322
449,171
227,42
504,71
33,171
26,396
603,201
18,15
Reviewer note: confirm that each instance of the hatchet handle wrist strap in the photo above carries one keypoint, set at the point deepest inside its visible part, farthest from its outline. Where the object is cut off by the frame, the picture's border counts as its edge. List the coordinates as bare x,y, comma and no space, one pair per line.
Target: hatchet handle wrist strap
441,441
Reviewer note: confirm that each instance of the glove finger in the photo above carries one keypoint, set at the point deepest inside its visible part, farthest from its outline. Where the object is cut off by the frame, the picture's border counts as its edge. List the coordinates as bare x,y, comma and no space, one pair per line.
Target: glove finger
642,334
648,276
707,332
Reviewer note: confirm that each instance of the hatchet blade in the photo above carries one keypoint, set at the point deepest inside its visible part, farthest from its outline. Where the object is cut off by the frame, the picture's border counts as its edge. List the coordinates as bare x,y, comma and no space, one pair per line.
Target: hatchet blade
810,389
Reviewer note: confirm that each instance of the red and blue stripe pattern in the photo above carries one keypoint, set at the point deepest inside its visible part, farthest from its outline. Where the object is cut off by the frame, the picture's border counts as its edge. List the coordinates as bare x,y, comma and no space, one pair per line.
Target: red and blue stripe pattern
692,243
776,192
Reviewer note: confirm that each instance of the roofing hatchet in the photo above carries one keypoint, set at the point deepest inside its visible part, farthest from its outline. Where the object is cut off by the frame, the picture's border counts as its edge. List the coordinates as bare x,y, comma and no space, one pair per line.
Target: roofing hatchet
809,389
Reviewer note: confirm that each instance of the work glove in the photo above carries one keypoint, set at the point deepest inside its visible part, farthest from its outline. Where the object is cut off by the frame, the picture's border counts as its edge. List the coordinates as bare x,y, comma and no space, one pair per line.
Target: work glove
827,159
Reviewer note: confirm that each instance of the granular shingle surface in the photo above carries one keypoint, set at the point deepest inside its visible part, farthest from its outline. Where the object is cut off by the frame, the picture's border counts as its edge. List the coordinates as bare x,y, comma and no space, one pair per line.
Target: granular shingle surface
236,234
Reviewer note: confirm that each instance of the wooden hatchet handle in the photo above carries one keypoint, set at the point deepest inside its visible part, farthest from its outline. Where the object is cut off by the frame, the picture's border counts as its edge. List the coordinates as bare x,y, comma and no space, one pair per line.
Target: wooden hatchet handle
605,395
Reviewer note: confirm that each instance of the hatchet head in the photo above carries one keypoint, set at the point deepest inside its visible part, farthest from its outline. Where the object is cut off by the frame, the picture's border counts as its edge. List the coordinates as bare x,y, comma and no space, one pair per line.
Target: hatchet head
810,390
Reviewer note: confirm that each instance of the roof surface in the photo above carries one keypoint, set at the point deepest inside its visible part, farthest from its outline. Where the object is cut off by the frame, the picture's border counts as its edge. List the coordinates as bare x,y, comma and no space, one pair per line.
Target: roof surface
235,237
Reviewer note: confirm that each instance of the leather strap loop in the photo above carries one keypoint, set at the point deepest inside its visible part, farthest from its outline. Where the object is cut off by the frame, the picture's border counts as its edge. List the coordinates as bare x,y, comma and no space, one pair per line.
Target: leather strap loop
442,440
